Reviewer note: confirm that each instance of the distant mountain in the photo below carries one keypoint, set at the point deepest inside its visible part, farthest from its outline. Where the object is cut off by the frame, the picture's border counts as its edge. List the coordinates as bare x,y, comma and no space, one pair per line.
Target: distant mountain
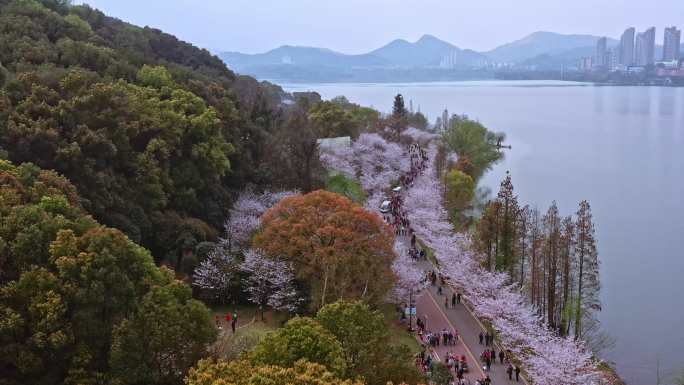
427,58
569,59
300,56
292,61
542,43
428,51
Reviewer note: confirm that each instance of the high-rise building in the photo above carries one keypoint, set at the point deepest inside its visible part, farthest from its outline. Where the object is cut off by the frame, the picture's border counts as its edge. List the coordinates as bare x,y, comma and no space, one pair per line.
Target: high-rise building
645,48
671,44
601,59
627,47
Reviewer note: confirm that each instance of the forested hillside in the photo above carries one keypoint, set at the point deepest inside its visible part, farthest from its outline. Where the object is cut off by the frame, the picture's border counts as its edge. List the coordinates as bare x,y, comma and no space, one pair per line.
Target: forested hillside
155,134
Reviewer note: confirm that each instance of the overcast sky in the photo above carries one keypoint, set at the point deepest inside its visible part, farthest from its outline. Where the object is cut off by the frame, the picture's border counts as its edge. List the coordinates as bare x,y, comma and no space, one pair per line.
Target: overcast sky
357,26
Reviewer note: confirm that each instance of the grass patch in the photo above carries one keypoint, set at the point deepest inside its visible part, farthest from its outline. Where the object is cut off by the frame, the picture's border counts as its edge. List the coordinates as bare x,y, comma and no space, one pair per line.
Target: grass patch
247,313
429,254
251,329
341,184
397,330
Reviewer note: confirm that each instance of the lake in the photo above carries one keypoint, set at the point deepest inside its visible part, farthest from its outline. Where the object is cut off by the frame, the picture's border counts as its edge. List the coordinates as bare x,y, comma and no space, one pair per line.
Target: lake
621,148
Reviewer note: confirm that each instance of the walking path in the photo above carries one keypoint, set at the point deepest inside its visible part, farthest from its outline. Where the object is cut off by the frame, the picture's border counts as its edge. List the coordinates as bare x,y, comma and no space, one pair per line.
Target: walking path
437,316
435,320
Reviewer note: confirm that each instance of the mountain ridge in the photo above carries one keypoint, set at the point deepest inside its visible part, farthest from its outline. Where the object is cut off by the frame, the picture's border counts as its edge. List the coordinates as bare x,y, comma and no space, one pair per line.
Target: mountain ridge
403,57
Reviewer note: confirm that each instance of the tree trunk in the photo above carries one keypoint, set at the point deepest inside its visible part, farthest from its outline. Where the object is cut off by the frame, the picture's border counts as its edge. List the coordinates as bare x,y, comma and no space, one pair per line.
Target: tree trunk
578,311
325,286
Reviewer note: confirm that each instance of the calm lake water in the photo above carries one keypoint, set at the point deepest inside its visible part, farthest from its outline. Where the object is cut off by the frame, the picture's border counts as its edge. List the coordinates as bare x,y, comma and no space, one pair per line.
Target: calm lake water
622,148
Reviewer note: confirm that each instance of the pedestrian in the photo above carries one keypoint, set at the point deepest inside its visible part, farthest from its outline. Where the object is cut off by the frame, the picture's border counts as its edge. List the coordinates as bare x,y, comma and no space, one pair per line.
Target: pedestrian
439,290
487,380
458,297
481,336
232,325
509,370
486,337
501,356
453,300
517,373
493,356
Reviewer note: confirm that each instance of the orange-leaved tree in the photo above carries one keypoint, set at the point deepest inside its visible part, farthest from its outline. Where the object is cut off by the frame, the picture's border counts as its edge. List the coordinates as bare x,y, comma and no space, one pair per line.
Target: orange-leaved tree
340,250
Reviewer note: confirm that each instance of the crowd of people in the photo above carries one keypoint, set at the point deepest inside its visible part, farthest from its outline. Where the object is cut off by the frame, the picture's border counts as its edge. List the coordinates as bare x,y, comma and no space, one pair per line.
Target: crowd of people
434,339
398,219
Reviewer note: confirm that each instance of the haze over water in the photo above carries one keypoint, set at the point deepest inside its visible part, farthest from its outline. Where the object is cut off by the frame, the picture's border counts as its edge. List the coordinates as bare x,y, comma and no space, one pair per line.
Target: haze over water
621,148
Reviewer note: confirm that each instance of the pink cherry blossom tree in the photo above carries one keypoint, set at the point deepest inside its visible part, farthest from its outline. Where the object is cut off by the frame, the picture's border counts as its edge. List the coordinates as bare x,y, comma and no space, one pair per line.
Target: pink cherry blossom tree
374,161
410,278
245,217
547,358
269,282
216,274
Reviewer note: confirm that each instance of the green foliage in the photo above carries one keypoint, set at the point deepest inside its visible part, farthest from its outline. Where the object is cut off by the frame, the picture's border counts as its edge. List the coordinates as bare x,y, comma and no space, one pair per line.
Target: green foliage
243,373
300,338
168,334
472,141
460,192
156,77
360,330
154,132
74,293
368,350
399,118
340,184
77,28
331,120
364,117
418,120
441,375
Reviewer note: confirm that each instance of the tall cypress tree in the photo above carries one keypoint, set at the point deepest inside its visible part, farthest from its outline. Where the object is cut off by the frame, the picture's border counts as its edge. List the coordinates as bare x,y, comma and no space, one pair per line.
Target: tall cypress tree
588,283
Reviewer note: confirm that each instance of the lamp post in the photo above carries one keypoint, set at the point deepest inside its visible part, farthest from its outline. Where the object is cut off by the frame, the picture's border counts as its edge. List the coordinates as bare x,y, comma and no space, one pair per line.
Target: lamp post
410,306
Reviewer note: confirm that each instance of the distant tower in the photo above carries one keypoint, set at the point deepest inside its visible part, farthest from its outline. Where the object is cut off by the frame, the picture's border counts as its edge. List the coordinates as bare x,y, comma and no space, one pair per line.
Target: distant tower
601,59
627,47
445,119
645,48
411,106
671,44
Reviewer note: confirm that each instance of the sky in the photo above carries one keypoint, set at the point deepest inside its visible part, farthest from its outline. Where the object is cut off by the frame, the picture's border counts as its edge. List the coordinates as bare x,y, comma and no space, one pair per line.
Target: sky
358,26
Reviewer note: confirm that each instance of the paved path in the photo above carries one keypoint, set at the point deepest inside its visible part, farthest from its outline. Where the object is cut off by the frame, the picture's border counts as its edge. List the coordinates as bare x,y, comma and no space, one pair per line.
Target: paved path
431,308
436,320
468,327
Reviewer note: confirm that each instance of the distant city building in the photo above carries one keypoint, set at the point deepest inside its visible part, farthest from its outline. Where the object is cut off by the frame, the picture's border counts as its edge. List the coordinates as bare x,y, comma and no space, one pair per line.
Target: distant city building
586,63
627,47
644,54
601,59
670,72
613,58
671,44
668,64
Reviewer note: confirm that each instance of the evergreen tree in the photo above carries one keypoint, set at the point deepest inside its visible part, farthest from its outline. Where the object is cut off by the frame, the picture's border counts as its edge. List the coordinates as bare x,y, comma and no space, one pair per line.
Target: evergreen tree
508,203
588,283
399,116
552,232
